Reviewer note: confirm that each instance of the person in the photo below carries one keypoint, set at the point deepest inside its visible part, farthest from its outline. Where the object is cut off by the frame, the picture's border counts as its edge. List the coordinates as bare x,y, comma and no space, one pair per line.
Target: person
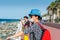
21,24
27,22
19,29
25,27
35,16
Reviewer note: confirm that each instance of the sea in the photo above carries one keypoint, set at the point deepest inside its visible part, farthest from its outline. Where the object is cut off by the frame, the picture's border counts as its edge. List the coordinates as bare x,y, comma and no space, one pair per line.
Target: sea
8,20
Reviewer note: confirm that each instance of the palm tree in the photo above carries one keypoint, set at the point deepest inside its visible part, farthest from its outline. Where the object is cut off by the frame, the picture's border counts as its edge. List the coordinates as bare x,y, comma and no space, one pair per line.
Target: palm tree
57,0
52,4
51,7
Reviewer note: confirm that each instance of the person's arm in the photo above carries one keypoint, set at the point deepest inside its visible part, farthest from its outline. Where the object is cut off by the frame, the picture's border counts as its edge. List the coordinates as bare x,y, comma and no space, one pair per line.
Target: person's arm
22,23
19,27
16,35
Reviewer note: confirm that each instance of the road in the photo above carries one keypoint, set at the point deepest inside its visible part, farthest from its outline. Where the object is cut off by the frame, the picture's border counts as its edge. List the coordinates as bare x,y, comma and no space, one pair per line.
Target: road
55,25
55,33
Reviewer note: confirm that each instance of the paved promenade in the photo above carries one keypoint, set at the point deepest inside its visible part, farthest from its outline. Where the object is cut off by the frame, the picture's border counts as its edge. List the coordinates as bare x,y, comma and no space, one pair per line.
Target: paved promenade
55,32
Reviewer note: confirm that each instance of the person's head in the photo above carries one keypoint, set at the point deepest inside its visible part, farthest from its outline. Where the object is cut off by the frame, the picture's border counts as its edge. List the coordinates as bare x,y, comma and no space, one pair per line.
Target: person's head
25,18
35,14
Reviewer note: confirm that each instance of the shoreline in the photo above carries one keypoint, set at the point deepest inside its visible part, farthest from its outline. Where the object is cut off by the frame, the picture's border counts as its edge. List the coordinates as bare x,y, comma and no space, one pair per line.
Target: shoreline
7,29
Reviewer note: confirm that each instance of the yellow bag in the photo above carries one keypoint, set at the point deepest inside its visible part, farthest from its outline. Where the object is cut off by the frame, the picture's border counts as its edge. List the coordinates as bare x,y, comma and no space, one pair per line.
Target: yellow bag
26,37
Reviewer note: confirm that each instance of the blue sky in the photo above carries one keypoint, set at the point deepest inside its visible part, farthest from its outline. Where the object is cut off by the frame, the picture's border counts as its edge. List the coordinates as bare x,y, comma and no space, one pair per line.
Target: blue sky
15,9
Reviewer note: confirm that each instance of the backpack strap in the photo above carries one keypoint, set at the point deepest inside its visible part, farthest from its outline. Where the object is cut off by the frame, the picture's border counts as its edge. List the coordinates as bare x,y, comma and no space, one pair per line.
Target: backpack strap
40,25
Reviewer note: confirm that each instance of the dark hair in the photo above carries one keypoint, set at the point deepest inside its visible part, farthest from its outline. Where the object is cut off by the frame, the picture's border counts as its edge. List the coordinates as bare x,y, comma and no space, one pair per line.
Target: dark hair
39,18
25,17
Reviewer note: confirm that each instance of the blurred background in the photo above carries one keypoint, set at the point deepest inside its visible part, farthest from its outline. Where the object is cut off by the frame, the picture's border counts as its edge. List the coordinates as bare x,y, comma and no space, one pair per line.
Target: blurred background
12,11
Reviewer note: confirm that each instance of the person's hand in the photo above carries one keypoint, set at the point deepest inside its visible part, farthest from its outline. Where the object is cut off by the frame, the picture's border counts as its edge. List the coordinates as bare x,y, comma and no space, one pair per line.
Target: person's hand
8,38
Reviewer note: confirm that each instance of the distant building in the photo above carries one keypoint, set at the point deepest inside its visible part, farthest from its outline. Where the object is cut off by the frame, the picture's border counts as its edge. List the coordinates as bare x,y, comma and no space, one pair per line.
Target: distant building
54,11
45,17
